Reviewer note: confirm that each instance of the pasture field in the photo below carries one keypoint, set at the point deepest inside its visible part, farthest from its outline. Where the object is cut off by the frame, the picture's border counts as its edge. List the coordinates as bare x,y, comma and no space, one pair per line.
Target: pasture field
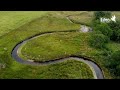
18,26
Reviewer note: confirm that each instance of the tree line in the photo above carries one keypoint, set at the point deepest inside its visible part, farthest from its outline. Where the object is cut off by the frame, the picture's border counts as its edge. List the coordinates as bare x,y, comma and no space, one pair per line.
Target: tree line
104,33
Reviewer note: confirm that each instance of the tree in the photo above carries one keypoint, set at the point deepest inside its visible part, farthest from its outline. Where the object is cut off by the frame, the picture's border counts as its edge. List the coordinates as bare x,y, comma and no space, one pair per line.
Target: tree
98,40
104,29
116,56
99,14
115,26
115,63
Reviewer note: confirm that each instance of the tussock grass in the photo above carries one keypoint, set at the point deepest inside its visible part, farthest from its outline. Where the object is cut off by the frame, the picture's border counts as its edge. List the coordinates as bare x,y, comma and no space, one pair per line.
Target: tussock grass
56,45
17,26
69,69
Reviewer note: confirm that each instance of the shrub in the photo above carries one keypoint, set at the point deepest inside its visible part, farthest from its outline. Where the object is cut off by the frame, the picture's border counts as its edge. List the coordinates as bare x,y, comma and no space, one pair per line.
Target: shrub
115,26
98,40
99,14
95,23
116,56
104,29
115,63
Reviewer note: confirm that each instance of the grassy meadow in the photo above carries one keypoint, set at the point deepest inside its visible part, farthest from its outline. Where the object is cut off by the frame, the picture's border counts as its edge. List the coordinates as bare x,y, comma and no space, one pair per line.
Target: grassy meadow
17,26
11,20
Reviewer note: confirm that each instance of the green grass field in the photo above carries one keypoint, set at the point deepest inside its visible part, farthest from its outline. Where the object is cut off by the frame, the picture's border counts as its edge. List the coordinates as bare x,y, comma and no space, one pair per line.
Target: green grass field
9,40
14,19
56,45
80,17
17,26
70,69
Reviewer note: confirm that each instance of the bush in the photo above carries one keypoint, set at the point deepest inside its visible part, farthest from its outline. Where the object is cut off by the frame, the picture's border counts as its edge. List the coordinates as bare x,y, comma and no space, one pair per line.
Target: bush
115,26
104,29
116,56
99,14
98,40
115,63
95,23
116,35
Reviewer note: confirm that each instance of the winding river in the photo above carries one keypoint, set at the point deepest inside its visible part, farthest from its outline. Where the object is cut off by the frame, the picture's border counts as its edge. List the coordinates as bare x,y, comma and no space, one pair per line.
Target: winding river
97,71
